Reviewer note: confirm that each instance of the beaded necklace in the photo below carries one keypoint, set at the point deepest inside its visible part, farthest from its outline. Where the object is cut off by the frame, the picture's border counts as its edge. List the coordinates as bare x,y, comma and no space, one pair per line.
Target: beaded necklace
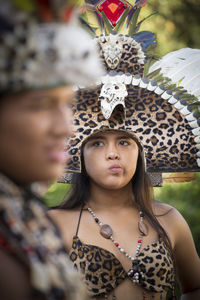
135,273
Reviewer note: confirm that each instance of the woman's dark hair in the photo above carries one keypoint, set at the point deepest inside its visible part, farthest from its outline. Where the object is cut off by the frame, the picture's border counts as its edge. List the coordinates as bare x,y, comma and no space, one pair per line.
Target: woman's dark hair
142,189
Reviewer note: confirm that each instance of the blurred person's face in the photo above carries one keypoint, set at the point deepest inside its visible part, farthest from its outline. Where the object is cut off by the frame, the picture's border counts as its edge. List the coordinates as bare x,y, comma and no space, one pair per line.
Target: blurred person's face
33,129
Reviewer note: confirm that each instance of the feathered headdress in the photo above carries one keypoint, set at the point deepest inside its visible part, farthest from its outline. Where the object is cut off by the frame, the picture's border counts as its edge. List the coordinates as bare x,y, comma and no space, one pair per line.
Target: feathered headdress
158,113
182,67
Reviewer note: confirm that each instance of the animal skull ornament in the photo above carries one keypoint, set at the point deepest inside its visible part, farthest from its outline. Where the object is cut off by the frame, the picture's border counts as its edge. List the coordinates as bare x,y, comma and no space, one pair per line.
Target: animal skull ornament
81,61
112,50
112,94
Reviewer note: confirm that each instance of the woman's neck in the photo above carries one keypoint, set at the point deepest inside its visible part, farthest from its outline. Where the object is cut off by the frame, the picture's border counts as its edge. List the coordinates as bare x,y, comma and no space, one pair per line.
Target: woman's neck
101,198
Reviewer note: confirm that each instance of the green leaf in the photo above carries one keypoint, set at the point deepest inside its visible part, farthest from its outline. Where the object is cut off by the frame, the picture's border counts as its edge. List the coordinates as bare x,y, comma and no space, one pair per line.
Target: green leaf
133,22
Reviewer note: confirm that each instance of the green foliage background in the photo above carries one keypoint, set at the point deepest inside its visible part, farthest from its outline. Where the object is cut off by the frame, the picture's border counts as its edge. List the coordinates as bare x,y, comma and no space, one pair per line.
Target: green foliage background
177,25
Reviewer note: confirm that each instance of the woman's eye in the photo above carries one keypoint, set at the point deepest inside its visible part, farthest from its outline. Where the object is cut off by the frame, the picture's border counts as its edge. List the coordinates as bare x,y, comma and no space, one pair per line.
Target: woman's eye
124,143
97,144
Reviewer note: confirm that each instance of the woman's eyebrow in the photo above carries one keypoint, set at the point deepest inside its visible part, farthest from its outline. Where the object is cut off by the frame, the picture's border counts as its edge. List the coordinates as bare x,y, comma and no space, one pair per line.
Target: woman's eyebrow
99,137
124,137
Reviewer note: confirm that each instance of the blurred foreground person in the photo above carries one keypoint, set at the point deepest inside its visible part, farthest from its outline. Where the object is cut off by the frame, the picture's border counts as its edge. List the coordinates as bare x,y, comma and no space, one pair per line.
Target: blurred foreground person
37,71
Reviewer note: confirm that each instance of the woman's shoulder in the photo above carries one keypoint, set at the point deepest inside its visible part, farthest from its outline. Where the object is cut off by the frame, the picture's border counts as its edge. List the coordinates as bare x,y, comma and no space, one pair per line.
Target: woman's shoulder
161,209
171,219
168,214
60,213
65,218
67,222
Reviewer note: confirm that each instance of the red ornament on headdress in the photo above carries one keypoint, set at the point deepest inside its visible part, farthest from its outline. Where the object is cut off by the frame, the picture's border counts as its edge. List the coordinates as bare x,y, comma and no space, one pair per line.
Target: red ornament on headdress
113,10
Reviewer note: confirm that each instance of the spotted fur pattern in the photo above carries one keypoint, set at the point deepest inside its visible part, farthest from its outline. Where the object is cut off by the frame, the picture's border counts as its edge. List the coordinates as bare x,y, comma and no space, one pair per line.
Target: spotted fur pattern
129,59
165,134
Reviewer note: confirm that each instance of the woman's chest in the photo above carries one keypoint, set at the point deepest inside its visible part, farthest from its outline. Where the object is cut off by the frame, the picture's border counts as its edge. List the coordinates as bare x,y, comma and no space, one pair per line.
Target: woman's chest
103,272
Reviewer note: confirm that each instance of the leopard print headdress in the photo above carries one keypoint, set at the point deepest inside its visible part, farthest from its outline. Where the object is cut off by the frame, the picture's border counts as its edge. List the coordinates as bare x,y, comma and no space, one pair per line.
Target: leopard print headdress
164,120
41,46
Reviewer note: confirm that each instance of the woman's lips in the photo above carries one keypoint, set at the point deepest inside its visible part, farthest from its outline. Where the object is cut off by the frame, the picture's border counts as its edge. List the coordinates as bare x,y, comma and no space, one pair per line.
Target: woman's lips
115,169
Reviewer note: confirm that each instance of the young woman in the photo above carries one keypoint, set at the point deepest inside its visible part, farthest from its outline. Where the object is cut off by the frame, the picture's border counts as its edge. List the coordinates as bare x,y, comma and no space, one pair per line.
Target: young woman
35,119
126,245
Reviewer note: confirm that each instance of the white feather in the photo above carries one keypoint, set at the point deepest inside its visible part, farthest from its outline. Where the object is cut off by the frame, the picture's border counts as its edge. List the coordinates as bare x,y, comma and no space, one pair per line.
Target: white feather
183,68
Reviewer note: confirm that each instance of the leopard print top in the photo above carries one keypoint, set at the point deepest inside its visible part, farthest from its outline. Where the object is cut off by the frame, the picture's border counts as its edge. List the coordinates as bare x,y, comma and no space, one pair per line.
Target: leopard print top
103,272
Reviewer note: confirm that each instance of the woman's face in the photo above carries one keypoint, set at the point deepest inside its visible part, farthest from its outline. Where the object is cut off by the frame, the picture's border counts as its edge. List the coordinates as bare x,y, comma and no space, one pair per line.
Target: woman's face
110,159
33,129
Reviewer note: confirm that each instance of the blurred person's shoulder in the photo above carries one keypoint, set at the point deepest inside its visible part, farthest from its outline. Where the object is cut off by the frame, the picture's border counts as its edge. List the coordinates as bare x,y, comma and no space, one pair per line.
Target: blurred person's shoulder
14,277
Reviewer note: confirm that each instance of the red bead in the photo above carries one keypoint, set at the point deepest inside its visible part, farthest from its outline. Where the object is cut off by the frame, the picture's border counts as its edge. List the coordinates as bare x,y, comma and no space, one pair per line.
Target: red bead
100,8
125,5
116,244
139,241
114,23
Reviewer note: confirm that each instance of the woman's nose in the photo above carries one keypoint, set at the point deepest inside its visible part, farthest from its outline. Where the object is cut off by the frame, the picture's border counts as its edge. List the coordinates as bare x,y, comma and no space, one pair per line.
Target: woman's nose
112,155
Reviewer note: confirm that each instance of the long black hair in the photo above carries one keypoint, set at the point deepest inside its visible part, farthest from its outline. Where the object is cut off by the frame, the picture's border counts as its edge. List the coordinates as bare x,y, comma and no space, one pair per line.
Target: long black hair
142,190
